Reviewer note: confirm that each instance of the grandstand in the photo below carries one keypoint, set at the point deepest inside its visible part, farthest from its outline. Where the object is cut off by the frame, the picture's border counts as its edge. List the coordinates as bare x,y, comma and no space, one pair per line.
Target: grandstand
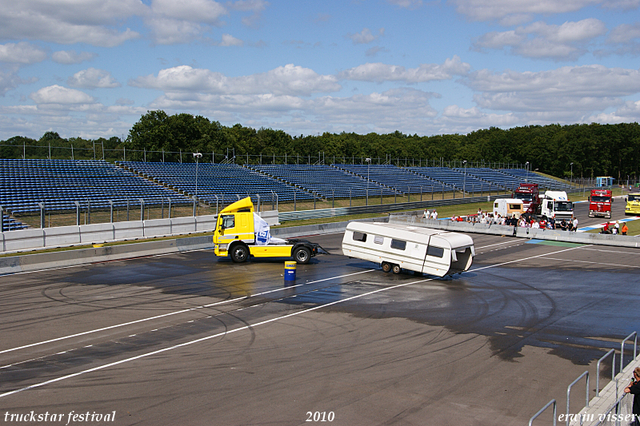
325,181
532,177
64,185
217,183
59,184
458,179
395,178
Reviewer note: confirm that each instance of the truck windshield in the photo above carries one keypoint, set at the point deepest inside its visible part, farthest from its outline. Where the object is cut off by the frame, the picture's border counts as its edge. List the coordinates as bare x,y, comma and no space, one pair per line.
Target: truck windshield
600,199
563,206
634,197
524,197
228,221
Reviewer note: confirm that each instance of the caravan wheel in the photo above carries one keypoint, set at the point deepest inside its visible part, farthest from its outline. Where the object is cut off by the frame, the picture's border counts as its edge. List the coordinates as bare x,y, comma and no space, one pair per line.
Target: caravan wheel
386,267
396,269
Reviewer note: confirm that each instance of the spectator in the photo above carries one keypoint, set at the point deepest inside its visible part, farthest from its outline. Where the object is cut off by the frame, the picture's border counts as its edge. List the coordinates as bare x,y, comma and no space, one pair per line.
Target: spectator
634,389
605,229
624,229
575,224
434,214
426,214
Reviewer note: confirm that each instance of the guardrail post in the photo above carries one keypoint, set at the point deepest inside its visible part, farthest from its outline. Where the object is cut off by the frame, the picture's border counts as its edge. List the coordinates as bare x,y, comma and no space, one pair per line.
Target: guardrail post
77,203
555,417
169,213
41,215
635,345
110,211
586,373
2,220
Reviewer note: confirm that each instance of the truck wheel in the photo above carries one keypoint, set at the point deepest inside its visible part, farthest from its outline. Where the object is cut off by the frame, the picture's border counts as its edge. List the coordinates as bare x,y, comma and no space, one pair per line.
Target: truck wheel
239,253
386,267
302,255
396,269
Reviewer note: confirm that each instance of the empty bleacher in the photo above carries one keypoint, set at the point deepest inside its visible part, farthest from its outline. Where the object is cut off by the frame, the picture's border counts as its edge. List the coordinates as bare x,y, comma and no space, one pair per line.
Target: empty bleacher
456,178
216,183
542,181
325,181
401,180
59,184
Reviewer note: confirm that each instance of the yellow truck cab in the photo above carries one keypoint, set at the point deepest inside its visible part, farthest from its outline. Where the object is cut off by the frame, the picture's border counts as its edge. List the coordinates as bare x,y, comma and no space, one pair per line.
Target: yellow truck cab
633,204
241,233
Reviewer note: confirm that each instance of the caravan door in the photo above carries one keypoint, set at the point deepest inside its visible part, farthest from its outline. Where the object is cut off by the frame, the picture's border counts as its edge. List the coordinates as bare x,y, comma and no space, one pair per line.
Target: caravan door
438,257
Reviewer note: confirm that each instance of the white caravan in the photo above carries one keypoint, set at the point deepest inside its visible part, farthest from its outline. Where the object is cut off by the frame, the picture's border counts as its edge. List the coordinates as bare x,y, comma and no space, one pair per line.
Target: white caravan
395,247
508,207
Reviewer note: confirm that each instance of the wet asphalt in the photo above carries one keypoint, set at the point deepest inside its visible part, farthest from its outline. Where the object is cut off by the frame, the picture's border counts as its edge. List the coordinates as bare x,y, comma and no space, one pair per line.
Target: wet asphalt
192,339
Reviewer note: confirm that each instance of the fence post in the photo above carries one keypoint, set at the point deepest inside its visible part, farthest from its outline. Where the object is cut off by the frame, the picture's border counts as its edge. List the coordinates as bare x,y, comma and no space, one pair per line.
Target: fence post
41,215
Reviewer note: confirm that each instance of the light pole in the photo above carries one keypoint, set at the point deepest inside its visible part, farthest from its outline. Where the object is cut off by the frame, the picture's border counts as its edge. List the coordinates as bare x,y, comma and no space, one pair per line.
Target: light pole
368,160
571,173
196,155
526,166
464,183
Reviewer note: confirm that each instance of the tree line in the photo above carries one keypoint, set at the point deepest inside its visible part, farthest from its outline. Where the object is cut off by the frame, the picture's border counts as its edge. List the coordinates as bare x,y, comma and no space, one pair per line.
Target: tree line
594,149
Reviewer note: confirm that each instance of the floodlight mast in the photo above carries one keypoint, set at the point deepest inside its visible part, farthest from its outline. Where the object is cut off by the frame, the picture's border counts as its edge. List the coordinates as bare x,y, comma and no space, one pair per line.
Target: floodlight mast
196,155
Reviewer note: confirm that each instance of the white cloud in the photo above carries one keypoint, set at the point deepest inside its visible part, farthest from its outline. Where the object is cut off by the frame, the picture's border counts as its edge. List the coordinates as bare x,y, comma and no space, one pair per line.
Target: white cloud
90,21
229,40
92,78
378,72
286,80
60,95
69,57
22,53
365,36
541,40
570,90
8,81
489,10
406,4
201,11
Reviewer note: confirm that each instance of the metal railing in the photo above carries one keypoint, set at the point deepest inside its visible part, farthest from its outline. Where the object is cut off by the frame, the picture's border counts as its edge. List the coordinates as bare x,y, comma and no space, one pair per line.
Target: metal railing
586,373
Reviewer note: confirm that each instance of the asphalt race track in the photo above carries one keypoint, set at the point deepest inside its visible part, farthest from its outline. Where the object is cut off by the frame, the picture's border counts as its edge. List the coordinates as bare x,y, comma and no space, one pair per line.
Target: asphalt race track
190,339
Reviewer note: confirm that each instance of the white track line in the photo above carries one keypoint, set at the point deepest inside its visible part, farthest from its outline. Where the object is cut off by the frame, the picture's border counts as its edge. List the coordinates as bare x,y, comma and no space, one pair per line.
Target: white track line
247,327
195,308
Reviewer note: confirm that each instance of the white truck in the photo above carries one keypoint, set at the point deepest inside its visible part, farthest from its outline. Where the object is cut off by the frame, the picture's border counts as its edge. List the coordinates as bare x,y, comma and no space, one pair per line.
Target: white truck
395,247
556,204
508,207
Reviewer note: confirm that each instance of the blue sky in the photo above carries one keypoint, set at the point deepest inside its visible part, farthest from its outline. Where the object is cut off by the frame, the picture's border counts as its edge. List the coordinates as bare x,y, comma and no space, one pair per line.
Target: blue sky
92,68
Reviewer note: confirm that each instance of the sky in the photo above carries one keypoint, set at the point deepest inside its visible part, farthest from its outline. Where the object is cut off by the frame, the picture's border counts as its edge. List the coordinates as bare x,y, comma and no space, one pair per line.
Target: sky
93,68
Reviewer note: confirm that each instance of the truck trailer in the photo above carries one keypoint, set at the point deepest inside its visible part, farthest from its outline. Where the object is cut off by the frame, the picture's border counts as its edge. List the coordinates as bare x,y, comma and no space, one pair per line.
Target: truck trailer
241,233
396,247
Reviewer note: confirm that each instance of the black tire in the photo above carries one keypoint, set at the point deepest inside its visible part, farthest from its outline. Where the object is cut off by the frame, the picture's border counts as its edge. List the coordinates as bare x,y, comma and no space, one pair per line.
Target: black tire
239,253
302,255
386,267
396,269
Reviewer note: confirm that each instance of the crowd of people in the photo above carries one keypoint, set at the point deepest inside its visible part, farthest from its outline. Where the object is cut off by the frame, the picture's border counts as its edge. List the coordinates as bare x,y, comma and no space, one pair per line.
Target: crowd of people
526,221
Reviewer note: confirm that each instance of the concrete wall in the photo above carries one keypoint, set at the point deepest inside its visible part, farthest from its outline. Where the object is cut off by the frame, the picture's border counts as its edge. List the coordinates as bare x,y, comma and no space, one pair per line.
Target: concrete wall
541,234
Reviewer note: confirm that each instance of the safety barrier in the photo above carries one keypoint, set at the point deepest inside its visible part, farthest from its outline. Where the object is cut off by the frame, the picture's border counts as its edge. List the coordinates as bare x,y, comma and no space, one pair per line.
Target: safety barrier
607,407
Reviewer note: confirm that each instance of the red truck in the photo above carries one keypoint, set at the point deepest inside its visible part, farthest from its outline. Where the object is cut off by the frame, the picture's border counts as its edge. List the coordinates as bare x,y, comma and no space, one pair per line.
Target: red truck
600,203
530,196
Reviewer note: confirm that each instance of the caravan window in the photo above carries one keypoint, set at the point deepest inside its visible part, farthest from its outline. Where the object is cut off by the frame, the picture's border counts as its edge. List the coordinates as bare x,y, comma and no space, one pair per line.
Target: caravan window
435,251
379,239
398,244
359,236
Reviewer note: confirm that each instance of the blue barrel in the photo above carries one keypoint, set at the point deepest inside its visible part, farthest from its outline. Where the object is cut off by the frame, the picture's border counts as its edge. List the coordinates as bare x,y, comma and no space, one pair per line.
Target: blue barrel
290,270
